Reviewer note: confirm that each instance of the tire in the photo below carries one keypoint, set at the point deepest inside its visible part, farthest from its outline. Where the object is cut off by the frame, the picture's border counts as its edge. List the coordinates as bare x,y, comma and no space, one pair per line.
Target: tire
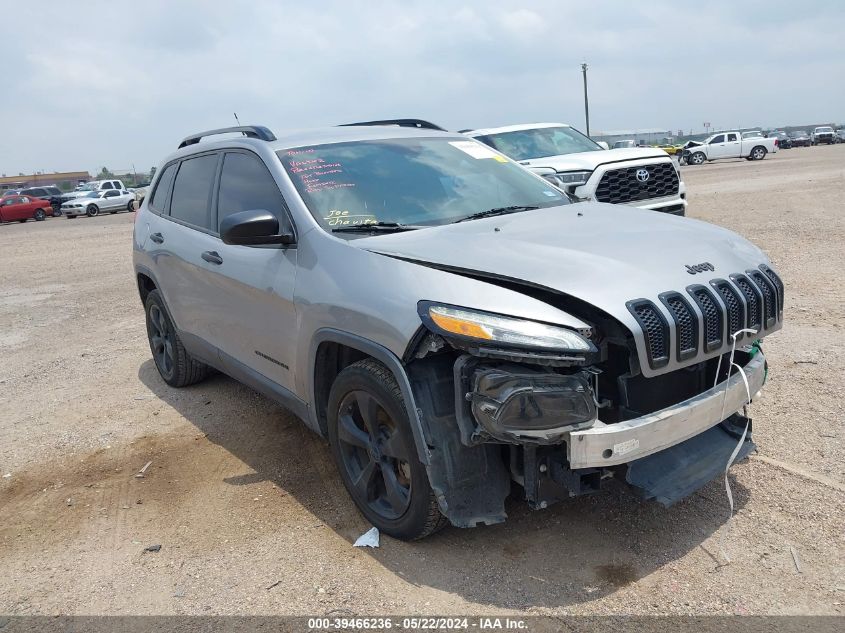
57,213
376,455
758,153
697,158
39,215
92,211
131,206
175,366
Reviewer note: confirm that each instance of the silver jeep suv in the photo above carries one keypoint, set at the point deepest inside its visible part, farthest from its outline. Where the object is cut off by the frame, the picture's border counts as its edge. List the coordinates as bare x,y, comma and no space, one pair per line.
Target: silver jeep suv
450,322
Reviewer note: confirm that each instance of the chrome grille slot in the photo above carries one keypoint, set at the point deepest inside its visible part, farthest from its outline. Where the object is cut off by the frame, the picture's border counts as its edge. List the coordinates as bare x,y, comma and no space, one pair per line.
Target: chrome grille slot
655,330
711,313
686,324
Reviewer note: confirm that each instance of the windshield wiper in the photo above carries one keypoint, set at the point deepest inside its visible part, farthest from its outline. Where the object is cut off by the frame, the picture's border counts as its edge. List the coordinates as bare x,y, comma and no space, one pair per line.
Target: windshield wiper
496,211
376,227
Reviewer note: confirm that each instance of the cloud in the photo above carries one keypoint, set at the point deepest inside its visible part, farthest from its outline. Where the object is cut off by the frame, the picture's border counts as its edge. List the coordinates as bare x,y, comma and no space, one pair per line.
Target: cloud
119,85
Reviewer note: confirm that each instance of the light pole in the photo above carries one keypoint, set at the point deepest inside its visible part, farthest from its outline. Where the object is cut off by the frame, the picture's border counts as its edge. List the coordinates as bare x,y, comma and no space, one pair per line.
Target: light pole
586,101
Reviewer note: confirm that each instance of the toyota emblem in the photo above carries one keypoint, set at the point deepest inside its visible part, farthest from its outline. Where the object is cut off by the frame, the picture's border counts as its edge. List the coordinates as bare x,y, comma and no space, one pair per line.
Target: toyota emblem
643,175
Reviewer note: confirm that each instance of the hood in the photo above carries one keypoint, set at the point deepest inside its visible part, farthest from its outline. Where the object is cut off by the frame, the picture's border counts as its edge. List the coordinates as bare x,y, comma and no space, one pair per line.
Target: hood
605,255
588,161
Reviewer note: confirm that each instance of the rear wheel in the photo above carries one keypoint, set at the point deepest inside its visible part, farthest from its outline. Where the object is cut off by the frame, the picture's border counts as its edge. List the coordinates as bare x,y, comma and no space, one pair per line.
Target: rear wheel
758,153
174,364
92,210
39,215
375,452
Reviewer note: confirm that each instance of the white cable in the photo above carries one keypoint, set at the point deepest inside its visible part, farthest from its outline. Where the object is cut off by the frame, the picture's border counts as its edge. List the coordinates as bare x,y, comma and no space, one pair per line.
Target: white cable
731,365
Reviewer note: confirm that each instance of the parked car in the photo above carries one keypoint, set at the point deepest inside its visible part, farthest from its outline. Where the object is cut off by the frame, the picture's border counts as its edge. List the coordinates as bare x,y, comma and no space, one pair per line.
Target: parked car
730,145
753,134
624,144
840,136
91,204
451,322
800,138
94,185
823,134
23,208
53,194
784,142
639,177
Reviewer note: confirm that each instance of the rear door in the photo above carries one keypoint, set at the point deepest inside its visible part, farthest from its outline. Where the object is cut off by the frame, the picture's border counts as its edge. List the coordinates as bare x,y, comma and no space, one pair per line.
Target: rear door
179,236
252,286
733,145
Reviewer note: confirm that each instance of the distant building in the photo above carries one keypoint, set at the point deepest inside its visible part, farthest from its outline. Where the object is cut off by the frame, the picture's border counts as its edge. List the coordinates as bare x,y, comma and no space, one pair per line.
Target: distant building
63,180
646,136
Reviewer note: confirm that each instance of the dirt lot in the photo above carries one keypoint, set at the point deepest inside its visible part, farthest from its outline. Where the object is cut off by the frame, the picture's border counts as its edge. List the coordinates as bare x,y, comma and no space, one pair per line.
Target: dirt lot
250,514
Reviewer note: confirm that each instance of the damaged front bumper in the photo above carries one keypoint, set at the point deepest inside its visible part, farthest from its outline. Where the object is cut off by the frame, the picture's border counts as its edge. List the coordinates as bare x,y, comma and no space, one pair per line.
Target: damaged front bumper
605,445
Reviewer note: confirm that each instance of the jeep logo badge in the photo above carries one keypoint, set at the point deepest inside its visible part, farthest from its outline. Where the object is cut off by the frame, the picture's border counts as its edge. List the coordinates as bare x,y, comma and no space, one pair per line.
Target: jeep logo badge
700,268
643,175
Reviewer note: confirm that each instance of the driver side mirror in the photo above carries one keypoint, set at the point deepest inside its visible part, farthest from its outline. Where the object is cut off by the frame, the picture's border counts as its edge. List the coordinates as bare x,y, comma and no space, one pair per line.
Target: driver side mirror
253,228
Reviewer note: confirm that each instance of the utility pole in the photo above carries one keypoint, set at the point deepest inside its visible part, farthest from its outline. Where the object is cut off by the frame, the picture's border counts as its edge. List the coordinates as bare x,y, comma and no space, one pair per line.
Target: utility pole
586,101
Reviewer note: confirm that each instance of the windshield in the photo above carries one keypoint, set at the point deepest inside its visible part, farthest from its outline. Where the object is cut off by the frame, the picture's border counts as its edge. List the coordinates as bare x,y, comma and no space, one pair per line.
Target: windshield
92,194
754,134
799,133
410,181
540,142
88,186
824,129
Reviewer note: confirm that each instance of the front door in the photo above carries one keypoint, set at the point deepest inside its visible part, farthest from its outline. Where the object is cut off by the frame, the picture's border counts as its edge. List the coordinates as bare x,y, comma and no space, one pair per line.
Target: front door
254,314
716,148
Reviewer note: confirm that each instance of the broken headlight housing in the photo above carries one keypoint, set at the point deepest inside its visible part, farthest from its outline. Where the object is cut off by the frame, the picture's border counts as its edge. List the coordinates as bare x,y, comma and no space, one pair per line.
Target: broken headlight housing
485,327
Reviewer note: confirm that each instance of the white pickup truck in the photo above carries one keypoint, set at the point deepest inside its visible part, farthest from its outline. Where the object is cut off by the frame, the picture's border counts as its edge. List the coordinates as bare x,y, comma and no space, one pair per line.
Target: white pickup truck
93,185
641,177
730,145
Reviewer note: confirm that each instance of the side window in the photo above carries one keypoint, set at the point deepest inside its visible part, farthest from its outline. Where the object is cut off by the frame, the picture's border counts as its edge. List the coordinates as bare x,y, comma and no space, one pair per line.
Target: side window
731,137
112,194
159,197
108,185
191,196
246,185
718,139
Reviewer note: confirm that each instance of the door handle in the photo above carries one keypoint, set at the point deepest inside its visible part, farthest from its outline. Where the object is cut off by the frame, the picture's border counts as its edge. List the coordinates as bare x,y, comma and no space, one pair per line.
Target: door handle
158,238
212,257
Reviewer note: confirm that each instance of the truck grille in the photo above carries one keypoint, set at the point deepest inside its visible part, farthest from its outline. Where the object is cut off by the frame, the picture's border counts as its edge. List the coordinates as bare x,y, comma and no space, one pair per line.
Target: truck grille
753,300
619,186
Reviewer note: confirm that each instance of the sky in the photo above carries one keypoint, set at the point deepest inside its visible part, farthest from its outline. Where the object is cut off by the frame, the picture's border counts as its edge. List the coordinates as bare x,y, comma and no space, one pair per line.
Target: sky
116,84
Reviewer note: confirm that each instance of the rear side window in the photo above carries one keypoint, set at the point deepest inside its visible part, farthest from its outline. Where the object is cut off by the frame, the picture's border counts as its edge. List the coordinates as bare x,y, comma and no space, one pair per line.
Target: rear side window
246,185
191,196
159,198
732,137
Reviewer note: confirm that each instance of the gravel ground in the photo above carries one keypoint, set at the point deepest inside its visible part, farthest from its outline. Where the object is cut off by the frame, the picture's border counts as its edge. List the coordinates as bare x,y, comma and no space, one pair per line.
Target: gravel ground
252,518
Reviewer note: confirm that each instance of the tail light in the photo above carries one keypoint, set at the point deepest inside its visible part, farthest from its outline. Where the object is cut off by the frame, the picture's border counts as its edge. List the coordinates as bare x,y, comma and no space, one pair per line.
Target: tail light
776,142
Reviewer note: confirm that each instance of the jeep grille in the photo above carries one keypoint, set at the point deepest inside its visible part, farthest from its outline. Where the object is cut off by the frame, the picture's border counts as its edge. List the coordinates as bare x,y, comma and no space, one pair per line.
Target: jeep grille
753,299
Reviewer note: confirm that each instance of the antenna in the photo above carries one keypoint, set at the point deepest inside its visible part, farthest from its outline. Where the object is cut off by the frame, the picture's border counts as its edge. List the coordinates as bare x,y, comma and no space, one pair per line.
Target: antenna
236,118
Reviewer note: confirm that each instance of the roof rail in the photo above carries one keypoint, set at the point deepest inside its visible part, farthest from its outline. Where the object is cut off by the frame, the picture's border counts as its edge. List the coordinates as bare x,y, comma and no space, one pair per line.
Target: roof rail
417,123
252,131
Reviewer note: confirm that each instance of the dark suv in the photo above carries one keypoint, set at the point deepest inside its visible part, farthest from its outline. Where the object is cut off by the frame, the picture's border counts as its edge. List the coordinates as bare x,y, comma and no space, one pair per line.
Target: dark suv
53,194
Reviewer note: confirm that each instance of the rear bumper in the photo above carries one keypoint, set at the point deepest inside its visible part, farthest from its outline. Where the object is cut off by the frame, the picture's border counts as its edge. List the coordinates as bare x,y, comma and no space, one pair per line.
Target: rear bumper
623,442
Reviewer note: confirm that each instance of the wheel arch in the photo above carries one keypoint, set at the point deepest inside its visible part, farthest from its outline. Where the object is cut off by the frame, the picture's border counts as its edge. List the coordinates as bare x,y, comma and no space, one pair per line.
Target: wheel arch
330,352
146,284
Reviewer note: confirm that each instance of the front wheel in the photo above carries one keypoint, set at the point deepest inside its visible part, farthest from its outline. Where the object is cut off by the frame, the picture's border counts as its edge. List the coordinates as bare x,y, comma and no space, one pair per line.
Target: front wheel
758,153
131,206
375,453
92,211
39,215
697,159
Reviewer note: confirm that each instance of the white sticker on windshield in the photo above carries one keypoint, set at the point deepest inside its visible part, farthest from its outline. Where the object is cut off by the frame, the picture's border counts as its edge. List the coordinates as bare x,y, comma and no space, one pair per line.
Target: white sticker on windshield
474,149
551,194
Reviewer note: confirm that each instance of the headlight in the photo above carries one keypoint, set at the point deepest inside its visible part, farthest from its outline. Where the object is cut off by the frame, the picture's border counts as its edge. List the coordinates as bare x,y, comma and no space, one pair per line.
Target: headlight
568,178
483,326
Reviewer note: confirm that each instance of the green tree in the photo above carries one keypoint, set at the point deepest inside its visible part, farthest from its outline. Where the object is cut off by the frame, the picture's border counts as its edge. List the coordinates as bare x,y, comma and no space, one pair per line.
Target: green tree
105,173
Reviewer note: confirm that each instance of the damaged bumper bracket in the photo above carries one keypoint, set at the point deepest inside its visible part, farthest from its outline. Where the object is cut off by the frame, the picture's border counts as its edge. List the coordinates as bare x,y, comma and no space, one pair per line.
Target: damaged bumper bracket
623,442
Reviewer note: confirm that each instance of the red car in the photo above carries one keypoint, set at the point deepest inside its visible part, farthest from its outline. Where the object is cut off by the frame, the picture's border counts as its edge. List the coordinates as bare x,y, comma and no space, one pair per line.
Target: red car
22,208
